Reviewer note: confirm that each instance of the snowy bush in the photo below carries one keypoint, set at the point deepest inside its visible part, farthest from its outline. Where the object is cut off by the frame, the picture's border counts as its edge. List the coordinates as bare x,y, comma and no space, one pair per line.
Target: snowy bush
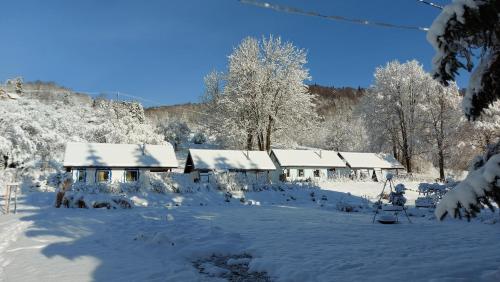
175,132
199,138
107,188
435,188
348,204
86,200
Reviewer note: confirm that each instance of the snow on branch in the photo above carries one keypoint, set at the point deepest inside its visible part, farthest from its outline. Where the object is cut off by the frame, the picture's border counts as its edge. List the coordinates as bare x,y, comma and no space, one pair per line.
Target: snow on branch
481,185
464,28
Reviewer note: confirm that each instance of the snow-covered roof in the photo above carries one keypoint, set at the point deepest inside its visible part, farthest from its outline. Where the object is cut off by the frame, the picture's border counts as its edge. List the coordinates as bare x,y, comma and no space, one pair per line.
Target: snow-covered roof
308,158
370,160
228,160
119,155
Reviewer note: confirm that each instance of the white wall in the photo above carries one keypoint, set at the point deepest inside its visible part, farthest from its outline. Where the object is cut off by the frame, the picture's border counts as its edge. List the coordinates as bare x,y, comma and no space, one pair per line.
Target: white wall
117,175
324,174
249,176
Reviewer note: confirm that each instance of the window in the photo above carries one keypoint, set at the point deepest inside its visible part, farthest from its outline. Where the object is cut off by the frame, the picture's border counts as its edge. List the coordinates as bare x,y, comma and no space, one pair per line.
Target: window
81,175
287,172
301,172
131,175
316,173
103,175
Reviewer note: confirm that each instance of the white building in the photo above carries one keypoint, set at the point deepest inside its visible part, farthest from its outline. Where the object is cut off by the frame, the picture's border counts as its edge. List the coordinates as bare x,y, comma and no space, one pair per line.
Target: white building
203,163
111,163
301,165
371,165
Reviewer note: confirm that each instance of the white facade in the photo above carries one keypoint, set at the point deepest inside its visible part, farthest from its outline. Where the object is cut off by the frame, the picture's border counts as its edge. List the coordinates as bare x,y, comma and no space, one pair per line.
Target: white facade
239,176
306,165
253,166
366,166
116,163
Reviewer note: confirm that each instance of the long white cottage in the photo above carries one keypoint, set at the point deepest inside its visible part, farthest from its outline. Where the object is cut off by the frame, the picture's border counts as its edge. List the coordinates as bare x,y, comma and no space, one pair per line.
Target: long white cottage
116,163
204,163
301,165
371,165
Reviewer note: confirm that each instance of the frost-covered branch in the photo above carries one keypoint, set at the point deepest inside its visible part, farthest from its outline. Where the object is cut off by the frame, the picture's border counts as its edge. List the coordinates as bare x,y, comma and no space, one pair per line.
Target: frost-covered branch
477,190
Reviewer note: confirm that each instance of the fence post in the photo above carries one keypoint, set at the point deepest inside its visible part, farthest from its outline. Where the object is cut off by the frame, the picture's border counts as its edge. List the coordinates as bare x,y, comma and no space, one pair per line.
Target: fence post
7,199
15,198
8,196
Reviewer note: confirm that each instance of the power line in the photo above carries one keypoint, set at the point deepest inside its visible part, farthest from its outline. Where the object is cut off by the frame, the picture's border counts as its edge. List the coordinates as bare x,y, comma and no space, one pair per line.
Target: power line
431,4
293,10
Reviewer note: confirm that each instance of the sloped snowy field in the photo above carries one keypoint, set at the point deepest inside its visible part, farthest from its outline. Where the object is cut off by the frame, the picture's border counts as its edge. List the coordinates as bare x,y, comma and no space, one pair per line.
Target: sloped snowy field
288,236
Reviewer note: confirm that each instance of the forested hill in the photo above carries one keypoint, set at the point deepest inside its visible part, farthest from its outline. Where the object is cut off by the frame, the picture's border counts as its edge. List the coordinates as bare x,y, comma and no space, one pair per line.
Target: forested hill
188,112
329,99
335,99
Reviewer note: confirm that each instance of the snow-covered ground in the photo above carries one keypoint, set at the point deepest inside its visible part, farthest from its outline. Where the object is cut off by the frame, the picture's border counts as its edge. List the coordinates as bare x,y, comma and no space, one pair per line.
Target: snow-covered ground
289,235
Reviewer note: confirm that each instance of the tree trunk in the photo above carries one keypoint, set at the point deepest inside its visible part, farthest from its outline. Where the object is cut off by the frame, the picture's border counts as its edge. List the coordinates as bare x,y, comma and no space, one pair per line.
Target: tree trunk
268,134
441,165
260,140
249,141
5,162
406,153
408,164
395,150
441,141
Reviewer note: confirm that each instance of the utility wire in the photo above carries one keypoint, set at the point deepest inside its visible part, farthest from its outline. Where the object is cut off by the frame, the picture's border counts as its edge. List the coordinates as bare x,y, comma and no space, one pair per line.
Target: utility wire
431,4
293,10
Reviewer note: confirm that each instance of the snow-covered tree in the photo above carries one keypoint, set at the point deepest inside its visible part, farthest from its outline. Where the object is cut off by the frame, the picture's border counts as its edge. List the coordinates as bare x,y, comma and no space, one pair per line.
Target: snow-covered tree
199,138
462,29
264,96
487,125
393,104
213,114
175,132
457,33
344,132
381,129
34,131
439,116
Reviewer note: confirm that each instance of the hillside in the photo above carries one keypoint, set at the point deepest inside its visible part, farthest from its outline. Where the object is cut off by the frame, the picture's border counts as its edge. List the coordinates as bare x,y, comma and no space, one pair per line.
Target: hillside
187,112
329,99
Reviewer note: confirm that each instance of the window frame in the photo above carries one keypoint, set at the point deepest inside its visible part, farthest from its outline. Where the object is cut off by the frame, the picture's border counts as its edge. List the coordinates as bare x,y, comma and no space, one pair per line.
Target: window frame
131,170
103,169
300,172
78,174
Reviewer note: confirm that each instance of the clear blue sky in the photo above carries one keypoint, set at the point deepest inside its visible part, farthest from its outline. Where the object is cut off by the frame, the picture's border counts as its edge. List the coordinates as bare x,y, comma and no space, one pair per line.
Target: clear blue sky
161,50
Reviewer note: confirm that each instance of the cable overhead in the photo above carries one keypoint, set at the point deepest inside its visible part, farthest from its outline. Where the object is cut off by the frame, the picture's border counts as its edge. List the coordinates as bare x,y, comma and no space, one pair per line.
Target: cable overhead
293,10
431,4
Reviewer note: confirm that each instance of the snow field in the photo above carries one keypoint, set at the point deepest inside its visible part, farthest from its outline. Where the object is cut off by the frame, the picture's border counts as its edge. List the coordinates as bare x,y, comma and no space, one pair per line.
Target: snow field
284,234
